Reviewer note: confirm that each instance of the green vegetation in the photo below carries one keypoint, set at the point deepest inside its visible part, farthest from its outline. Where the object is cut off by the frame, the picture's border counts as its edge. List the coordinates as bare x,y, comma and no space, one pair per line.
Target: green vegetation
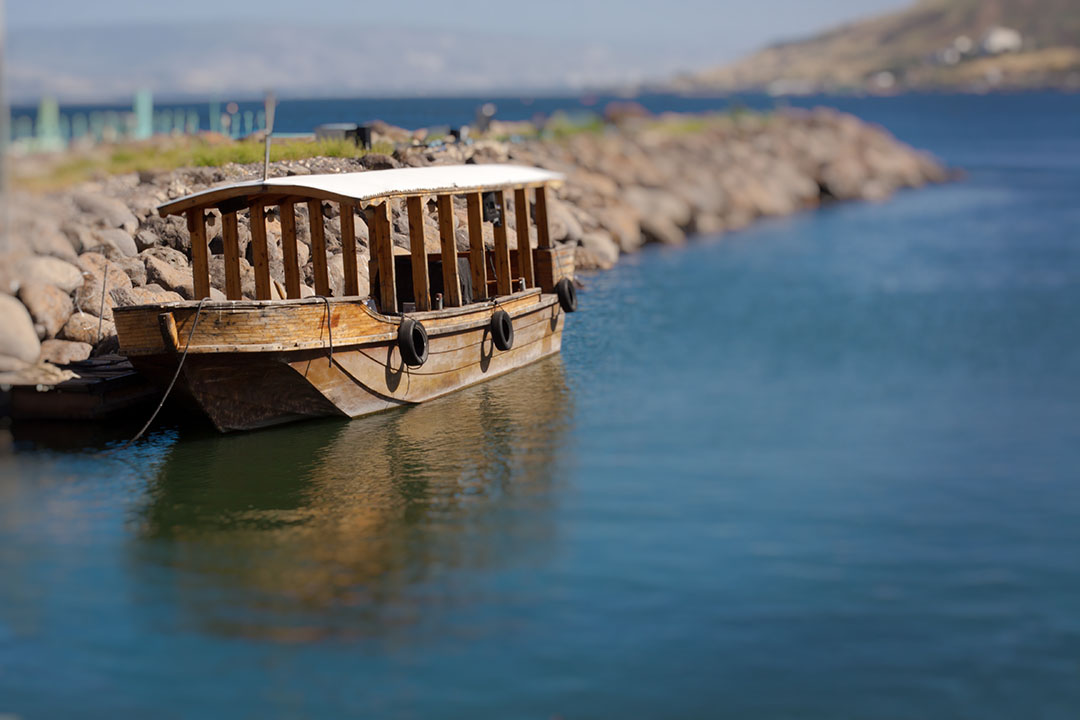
186,152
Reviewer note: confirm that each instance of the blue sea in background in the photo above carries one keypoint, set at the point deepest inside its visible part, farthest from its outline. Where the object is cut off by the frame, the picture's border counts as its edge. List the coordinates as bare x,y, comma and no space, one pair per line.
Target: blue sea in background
824,467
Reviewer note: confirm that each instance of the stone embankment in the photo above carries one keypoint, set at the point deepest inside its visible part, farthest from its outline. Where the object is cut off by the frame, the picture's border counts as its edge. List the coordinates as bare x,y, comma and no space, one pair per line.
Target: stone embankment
655,180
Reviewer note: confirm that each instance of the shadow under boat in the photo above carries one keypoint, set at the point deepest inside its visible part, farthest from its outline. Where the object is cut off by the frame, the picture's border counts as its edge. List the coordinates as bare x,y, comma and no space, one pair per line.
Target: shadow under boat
325,529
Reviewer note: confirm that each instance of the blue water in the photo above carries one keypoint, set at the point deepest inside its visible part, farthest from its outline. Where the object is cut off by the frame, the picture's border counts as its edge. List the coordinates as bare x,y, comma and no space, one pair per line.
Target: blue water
825,467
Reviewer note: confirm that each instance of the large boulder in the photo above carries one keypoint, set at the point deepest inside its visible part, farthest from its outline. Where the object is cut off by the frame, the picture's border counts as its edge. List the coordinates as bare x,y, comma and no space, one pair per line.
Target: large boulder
94,264
10,364
562,225
600,251
18,339
247,275
115,242
171,231
82,327
661,205
134,268
65,352
49,306
159,271
105,211
78,235
47,239
50,271
149,295
94,299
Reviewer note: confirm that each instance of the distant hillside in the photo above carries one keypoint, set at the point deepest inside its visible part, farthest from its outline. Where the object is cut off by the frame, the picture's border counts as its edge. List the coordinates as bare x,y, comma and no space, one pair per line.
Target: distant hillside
970,44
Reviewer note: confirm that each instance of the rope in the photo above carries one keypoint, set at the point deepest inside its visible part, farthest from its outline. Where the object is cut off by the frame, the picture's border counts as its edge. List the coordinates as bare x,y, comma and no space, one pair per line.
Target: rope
329,328
176,375
101,307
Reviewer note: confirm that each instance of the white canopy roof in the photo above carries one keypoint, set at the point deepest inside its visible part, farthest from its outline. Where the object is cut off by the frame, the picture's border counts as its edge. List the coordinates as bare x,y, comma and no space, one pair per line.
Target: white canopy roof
375,184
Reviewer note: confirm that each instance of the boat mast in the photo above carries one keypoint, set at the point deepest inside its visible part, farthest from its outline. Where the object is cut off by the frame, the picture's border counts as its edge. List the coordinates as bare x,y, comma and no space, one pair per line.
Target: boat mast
269,105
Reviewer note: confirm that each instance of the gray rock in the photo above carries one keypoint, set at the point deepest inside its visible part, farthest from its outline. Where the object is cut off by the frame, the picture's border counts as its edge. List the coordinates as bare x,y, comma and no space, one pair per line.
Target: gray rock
247,275
107,212
661,230
79,236
168,276
378,161
18,339
146,239
656,204
134,268
47,239
50,271
65,352
563,226
119,242
602,251
49,306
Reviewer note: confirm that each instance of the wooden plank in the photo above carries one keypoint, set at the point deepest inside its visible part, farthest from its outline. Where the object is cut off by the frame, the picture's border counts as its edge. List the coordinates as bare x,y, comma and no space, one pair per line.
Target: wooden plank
318,248
525,256
288,250
259,254
543,232
200,262
348,250
503,282
231,240
421,286
383,250
451,281
250,326
476,247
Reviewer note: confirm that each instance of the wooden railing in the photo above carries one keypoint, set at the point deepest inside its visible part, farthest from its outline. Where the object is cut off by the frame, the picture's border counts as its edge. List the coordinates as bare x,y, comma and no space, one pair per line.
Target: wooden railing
377,216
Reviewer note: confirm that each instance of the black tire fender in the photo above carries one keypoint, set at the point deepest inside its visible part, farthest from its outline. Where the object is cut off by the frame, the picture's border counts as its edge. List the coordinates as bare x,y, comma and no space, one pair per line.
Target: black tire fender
567,295
412,341
502,330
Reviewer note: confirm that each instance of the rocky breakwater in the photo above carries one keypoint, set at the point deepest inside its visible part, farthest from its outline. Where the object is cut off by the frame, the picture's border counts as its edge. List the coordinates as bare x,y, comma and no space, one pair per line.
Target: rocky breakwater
72,256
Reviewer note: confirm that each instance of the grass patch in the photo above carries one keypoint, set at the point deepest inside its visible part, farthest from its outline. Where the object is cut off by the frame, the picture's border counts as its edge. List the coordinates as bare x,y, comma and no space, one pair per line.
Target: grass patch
55,172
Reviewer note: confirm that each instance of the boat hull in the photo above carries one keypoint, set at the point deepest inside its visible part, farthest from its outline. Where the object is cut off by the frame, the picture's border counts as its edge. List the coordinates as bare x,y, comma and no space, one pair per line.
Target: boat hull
258,383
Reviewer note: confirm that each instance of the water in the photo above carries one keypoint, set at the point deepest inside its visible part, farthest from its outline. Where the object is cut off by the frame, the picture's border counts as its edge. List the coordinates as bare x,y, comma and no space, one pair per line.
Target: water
822,468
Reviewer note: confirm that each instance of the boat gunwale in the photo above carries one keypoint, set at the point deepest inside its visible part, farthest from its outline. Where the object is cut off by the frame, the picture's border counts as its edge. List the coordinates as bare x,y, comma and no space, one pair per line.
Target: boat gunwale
544,301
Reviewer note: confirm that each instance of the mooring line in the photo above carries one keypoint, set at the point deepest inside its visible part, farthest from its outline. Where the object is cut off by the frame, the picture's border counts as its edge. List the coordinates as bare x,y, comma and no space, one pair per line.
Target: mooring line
329,328
172,383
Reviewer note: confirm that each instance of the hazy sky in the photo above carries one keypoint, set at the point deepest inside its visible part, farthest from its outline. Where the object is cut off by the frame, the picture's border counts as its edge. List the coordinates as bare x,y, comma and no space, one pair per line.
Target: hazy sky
87,50
720,29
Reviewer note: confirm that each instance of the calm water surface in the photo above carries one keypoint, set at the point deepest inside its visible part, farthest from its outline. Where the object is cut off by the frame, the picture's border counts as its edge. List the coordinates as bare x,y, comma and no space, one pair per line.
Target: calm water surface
823,468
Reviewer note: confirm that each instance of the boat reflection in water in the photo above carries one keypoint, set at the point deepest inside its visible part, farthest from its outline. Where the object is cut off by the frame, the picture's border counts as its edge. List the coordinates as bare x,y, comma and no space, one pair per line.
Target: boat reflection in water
328,529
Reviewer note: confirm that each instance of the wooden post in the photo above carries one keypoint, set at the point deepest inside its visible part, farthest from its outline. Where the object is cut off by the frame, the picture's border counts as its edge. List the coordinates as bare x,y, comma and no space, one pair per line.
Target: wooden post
288,250
502,250
348,250
318,248
259,255
476,247
451,281
543,233
525,257
200,263
231,242
383,248
421,287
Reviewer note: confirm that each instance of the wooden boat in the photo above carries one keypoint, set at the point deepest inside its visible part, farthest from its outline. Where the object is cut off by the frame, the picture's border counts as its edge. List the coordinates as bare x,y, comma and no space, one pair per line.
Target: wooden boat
432,326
